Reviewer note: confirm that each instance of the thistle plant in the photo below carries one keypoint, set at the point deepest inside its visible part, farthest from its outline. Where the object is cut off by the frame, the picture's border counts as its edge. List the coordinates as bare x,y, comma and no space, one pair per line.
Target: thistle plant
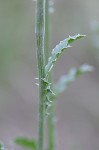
48,92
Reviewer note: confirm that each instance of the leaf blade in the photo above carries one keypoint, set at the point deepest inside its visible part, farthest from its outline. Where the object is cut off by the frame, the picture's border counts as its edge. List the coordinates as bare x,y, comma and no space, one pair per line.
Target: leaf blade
26,143
57,51
66,80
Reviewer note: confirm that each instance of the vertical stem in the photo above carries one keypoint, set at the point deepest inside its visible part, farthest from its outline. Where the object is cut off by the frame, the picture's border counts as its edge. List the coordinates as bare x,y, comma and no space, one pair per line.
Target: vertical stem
51,125
47,31
40,27
51,130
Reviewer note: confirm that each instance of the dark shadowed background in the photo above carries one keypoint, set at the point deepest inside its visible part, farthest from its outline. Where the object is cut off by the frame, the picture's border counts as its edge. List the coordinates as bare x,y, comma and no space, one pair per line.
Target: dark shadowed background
78,107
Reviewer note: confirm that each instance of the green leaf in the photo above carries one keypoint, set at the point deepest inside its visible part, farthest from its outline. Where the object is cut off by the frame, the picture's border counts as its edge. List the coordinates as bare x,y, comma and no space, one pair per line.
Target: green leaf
65,80
57,51
1,146
26,143
49,93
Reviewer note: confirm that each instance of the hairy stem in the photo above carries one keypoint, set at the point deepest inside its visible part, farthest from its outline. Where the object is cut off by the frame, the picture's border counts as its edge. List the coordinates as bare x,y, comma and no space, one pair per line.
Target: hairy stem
40,29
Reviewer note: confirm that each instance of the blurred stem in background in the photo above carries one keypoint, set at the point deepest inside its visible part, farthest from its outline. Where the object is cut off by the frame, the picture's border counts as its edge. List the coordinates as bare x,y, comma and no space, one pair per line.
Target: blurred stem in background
40,28
51,125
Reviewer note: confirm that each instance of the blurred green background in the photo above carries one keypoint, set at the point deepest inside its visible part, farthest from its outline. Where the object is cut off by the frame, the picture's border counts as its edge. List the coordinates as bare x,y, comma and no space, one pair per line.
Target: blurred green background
78,107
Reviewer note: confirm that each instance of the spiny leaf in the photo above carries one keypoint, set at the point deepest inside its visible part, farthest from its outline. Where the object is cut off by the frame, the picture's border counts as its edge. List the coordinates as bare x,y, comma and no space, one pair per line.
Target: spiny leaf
57,51
49,93
26,143
48,98
1,146
70,77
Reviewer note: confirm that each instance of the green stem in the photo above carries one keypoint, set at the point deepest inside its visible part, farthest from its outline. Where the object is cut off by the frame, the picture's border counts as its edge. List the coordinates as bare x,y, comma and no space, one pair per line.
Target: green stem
51,130
47,32
40,27
51,125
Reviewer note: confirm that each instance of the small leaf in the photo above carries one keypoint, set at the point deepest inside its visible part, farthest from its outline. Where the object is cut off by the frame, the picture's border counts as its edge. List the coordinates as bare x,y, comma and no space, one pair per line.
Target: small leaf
49,94
57,51
65,80
26,143
1,146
